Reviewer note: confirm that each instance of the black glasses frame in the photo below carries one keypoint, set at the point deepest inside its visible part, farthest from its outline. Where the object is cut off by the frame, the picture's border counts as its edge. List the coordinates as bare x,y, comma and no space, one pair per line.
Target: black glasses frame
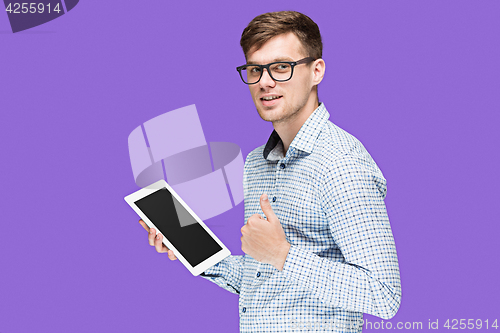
291,63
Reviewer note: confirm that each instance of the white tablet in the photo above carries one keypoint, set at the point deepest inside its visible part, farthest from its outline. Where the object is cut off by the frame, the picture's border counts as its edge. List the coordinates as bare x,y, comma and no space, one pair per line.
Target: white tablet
193,243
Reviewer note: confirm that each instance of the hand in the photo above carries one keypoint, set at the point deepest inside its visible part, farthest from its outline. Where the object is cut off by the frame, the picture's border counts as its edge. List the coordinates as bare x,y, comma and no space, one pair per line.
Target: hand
157,241
265,240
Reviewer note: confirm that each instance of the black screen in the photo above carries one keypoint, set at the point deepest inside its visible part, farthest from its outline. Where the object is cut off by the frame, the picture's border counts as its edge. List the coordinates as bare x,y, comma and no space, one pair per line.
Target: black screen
168,215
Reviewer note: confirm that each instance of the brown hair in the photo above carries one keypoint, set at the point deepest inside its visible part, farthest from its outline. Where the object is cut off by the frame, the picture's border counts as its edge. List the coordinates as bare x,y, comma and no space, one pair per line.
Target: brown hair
266,26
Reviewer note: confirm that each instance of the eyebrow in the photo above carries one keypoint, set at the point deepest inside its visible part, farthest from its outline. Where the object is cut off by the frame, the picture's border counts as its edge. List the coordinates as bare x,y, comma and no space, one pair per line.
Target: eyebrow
274,60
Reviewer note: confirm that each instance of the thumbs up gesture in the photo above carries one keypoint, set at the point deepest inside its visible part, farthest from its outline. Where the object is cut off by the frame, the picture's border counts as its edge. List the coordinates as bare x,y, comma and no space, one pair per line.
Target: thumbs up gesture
264,240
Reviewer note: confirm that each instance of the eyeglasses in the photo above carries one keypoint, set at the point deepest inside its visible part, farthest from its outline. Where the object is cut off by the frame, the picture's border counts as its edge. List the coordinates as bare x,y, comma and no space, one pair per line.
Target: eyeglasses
279,71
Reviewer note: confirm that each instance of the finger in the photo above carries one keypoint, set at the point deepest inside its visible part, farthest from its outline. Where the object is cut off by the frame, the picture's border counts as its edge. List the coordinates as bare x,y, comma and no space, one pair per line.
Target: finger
151,236
265,205
144,225
243,244
171,255
159,246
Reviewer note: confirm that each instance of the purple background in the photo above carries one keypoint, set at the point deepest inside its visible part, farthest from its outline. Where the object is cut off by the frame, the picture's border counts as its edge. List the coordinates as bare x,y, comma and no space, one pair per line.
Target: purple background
418,82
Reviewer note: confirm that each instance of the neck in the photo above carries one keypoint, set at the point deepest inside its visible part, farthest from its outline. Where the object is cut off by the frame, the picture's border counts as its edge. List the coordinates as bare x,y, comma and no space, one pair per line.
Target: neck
288,128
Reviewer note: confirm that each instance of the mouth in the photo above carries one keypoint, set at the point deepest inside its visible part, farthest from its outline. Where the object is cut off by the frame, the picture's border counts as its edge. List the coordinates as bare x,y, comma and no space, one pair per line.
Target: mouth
270,100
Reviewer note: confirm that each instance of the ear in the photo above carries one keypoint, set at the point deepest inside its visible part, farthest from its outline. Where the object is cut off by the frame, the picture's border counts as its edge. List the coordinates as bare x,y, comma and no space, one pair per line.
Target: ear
318,71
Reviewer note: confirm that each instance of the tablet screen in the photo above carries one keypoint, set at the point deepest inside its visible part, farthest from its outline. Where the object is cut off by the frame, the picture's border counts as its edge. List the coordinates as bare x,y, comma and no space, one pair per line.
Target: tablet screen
180,228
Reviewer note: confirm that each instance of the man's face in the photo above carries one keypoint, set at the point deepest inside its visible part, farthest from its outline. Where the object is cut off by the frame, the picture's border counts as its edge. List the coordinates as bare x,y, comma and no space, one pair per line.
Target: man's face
293,94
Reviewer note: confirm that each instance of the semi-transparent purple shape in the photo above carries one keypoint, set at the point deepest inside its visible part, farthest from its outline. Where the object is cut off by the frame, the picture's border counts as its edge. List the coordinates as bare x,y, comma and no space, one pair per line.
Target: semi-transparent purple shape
173,145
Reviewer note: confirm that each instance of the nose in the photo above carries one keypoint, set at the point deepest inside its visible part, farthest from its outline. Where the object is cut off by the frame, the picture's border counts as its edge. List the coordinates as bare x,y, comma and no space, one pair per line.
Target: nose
266,80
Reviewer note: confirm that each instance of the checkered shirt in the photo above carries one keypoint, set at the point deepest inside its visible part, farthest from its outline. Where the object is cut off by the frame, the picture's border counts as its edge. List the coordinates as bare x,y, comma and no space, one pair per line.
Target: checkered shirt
328,194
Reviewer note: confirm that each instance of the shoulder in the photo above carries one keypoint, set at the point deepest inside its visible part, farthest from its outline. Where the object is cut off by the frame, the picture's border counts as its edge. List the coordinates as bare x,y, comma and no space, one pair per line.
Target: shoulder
255,163
255,156
335,142
341,151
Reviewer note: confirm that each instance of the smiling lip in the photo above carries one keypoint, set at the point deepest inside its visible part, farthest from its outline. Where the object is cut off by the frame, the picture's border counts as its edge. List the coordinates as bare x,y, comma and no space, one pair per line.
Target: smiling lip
270,102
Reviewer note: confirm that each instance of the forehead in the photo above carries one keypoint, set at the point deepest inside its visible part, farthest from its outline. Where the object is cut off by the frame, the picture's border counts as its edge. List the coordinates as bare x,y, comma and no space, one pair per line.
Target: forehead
282,47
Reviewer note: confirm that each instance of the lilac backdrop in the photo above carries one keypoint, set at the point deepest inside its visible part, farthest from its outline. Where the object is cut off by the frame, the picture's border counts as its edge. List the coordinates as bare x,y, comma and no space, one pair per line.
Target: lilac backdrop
418,82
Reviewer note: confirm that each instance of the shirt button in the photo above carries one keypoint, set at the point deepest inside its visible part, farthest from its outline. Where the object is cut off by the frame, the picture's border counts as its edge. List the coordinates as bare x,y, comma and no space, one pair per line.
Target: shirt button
282,165
244,310
258,274
274,199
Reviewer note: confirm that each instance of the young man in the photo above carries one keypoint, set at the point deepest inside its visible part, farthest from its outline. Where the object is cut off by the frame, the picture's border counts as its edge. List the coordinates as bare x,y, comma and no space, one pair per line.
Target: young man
318,243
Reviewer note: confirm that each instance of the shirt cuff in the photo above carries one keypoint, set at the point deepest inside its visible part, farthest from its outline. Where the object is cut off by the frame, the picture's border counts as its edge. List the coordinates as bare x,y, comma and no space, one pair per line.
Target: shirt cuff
213,271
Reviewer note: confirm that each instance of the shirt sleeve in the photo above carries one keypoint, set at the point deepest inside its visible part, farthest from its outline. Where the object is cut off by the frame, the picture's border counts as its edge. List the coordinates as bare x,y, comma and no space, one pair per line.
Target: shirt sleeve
368,279
227,273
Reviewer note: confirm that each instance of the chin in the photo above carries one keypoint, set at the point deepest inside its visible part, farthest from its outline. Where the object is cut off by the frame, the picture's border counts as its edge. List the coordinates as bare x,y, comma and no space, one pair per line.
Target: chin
269,114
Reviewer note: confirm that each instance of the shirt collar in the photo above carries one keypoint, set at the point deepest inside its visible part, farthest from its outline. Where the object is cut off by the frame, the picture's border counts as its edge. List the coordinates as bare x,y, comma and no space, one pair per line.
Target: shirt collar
305,138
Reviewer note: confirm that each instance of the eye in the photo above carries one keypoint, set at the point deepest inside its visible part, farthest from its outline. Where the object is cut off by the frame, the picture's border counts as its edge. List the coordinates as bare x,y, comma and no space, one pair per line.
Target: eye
254,69
281,67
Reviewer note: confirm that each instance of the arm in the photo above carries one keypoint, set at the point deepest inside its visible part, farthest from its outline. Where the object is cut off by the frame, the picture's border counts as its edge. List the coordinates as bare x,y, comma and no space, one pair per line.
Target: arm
368,281
227,274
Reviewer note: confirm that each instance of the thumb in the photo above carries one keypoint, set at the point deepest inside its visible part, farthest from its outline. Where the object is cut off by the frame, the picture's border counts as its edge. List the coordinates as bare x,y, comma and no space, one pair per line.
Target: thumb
267,209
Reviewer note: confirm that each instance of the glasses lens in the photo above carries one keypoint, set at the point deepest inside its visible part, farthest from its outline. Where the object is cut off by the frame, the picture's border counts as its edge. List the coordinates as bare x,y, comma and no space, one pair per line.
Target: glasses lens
250,74
281,71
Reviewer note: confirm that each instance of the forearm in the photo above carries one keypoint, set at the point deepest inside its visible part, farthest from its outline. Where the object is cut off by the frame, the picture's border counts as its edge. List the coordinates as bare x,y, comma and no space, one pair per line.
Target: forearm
227,274
346,285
